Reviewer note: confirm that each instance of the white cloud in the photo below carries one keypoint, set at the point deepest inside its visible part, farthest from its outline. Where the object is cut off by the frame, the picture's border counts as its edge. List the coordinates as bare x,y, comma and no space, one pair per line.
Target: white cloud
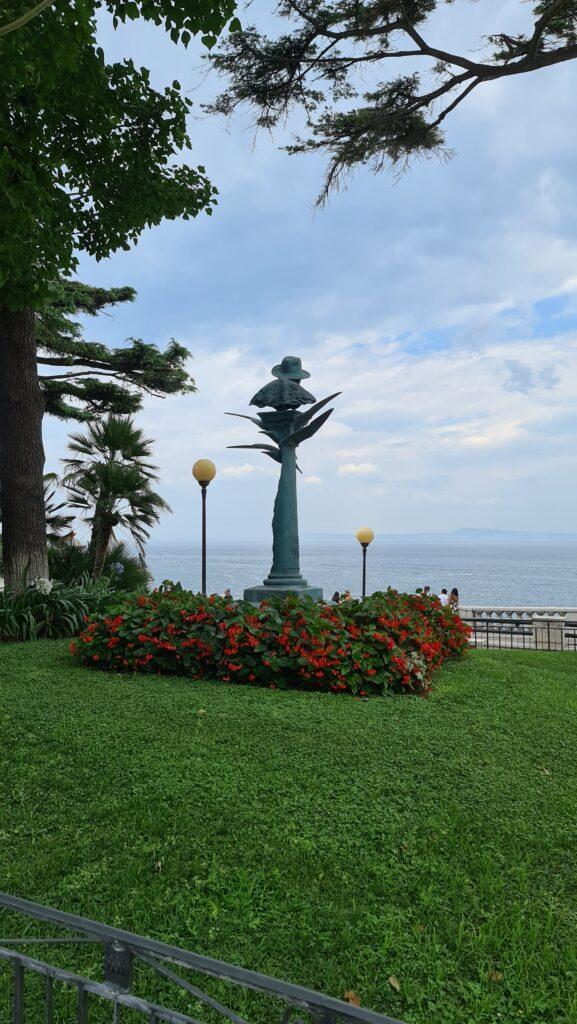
236,471
419,323
357,469
450,445
497,435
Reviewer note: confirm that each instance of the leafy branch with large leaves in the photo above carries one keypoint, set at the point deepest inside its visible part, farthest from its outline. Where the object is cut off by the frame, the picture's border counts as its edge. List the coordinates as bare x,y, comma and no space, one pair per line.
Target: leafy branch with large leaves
89,149
91,154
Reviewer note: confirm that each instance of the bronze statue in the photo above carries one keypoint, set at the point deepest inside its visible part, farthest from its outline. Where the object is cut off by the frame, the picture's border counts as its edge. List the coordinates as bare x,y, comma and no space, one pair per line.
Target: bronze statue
288,428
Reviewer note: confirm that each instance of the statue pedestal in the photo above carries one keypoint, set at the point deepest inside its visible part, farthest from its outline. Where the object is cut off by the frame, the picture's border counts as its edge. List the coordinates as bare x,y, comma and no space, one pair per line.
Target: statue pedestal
264,593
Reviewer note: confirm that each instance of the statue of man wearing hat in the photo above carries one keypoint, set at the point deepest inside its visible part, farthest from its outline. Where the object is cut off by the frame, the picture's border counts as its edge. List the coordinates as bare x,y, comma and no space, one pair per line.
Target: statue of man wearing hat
285,392
288,428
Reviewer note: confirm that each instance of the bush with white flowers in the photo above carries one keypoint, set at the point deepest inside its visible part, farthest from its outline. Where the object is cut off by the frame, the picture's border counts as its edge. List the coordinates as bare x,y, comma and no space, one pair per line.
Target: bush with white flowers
43,586
49,610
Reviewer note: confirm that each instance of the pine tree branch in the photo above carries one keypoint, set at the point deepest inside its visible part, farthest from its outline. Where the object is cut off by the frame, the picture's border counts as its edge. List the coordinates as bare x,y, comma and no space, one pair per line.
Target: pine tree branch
128,371
540,27
427,98
353,33
82,373
545,60
443,55
375,55
150,389
459,99
67,361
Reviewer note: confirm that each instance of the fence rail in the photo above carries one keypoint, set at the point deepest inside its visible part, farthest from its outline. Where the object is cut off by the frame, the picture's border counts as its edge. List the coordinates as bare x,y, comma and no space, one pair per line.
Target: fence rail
121,952
522,628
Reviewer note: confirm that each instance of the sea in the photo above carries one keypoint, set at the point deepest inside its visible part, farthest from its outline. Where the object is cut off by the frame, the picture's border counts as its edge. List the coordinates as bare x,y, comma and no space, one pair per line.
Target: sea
484,573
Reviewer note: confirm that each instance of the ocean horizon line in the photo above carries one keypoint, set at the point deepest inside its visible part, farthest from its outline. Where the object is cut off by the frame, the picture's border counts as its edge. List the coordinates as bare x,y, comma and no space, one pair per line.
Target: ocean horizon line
456,537
530,573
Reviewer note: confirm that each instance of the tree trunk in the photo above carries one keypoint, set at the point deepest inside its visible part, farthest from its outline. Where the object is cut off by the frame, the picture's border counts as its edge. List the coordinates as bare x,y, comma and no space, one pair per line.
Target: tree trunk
99,544
21,452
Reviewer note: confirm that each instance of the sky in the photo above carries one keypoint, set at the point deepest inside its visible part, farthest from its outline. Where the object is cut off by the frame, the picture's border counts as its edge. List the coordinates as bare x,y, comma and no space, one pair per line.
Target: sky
442,304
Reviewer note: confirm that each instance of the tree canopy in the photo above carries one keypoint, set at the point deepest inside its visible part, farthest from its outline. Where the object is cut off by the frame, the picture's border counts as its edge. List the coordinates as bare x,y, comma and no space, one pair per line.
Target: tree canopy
89,149
316,64
97,379
90,156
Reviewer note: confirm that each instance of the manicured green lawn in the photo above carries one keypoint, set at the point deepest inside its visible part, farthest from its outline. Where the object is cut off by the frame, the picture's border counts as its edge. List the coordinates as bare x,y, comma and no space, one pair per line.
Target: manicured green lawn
325,840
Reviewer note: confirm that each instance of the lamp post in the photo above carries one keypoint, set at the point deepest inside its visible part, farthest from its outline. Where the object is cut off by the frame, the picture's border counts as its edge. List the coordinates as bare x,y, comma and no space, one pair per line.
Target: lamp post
203,472
364,536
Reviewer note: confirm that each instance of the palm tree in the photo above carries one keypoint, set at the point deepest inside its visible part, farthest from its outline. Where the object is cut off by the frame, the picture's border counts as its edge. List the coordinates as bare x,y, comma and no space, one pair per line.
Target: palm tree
109,482
58,525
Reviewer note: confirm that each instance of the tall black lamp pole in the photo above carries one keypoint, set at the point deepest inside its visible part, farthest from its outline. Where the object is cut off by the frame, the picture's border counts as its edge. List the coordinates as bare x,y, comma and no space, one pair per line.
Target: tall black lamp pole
203,472
364,536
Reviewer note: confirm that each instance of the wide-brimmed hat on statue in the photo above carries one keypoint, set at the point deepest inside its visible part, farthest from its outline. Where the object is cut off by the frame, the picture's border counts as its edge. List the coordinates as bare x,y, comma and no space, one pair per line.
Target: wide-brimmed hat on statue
291,368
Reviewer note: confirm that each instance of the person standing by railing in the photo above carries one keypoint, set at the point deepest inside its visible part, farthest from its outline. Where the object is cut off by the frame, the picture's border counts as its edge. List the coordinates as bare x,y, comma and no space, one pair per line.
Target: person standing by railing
454,600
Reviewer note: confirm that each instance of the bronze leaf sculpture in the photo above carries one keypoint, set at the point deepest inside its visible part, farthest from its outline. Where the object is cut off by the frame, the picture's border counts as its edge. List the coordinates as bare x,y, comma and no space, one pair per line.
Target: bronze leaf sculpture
287,428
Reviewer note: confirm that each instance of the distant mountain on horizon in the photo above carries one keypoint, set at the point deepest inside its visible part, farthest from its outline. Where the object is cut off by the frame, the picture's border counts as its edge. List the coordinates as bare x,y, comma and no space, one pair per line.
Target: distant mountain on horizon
466,534
471,533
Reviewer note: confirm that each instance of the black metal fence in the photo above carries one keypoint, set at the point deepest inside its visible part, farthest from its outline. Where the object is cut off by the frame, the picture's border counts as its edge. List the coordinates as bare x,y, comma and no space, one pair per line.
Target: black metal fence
532,634
38,990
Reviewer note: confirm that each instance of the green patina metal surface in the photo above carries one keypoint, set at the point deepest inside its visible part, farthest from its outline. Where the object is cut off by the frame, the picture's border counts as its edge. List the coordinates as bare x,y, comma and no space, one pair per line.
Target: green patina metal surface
288,428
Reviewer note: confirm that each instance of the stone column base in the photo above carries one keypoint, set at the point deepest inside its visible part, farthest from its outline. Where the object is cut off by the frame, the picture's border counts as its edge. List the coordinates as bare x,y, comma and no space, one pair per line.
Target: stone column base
257,594
549,633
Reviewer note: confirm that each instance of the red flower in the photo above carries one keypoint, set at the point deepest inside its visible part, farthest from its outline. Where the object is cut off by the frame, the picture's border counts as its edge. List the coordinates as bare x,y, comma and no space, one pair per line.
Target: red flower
400,642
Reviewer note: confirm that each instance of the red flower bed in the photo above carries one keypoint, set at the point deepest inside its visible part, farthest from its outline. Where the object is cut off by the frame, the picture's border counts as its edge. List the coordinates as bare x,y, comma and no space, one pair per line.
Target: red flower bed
389,642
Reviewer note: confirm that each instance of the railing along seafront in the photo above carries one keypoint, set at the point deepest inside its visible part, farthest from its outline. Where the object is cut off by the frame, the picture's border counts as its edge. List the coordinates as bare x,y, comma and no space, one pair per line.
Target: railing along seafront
518,627
45,991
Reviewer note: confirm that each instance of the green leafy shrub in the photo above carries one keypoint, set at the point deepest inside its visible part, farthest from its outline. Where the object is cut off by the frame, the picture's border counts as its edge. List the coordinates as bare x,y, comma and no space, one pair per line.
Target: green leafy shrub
389,642
123,571
49,610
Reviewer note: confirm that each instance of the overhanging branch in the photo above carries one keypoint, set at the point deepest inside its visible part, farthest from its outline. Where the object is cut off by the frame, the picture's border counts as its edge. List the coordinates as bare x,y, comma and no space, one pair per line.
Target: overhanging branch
401,117
12,26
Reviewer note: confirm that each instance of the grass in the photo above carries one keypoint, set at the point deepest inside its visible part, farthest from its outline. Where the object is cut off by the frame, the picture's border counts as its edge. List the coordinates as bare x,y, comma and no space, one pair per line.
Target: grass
328,841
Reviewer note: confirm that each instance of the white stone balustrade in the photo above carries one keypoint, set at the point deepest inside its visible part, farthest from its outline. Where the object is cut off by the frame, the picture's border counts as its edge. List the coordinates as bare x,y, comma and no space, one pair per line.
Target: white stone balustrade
546,628
522,612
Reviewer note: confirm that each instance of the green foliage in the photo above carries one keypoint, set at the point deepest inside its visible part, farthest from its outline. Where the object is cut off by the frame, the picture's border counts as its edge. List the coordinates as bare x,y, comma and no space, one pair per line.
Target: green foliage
332,843
318,65
121,374
387,643
11,26
89,151
109,483
58,522
122,571
36,614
